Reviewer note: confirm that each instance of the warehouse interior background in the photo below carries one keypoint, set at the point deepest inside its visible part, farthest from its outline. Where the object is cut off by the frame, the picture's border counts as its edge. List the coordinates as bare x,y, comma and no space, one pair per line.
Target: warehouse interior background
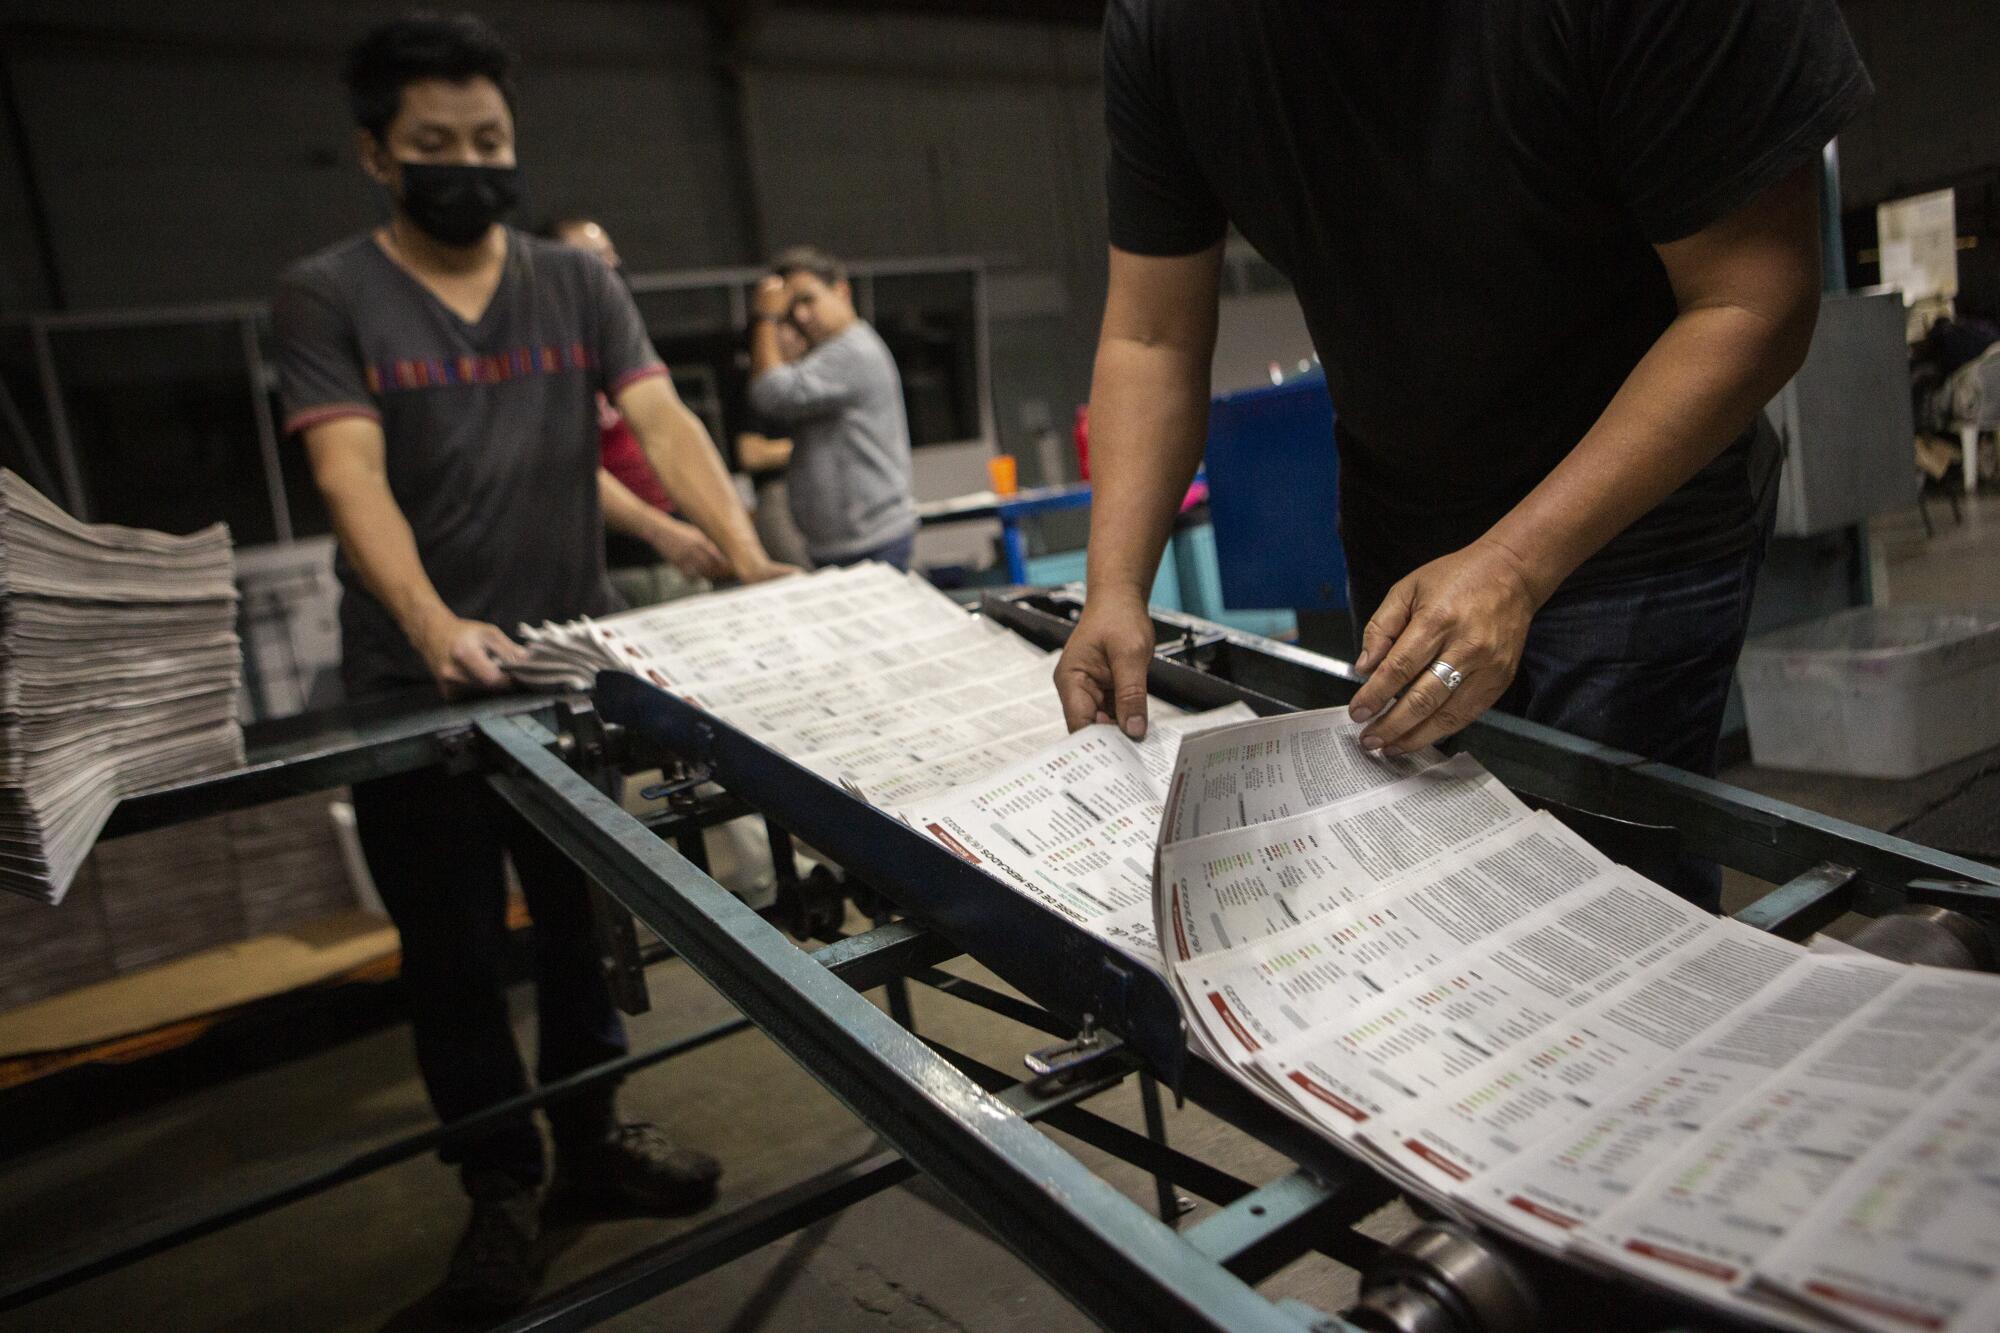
187,155
160,165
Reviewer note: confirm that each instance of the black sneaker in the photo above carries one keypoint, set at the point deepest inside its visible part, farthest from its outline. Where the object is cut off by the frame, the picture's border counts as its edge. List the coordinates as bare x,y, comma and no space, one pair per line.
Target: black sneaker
636,1168
498,1264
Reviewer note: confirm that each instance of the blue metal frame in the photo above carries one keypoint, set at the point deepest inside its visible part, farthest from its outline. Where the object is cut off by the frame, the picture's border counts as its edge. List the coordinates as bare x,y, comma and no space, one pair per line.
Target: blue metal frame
1010,510
1103,1251
315,752
864,962
156,1238
1038,1189
1033,948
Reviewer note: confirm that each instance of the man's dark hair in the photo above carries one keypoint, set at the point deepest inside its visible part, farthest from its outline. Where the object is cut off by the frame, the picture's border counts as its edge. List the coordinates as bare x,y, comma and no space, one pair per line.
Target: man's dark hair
457,48
809,259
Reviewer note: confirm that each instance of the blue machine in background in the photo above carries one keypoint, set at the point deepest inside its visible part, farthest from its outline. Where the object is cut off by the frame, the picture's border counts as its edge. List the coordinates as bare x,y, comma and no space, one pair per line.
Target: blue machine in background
1274,500
1274,497
1268,560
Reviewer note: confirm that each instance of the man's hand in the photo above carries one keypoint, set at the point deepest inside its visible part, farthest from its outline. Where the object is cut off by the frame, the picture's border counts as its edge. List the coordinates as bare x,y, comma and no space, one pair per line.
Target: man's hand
678,447
1748,291
1148,418
1102,674
688,549
770,299
766,569
1469,609
464,656
760,453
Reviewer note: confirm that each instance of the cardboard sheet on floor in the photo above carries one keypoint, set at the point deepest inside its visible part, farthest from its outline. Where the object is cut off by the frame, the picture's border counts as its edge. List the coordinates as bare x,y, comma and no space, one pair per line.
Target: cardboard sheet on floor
208,982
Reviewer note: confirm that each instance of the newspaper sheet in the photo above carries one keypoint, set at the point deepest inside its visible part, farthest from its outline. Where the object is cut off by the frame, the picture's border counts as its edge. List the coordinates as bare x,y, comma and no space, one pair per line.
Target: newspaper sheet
1272,768
1016,682
1715,970
1704,1217
1407,1045
791,646
1910,1237
1573,1176
797,698
1275,990
1225,890
1073,826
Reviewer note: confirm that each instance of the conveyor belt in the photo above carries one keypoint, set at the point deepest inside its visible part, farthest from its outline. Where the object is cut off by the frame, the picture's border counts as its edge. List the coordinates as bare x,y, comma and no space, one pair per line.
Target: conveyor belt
969,1127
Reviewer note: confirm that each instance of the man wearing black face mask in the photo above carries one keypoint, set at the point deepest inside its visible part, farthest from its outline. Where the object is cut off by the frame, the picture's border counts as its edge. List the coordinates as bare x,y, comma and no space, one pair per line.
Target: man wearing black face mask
443,372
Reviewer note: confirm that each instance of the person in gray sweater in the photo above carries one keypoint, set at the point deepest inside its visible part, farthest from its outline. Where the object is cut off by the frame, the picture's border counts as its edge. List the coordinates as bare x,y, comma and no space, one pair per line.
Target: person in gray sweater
843,403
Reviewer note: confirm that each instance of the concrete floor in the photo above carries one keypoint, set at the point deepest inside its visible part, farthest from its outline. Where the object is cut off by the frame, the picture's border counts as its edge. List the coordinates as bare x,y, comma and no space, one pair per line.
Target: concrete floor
366,1255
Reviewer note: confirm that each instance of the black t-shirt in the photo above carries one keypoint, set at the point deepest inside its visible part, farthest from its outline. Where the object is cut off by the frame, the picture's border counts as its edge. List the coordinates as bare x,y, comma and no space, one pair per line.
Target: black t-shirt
489,428
1465,195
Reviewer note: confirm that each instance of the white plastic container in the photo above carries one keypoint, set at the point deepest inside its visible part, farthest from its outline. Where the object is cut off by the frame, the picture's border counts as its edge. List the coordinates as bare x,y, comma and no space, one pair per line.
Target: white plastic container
1875,692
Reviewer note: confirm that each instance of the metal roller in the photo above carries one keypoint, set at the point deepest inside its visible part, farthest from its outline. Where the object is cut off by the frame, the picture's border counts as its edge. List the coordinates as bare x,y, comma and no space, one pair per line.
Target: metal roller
1935,936
1443,1278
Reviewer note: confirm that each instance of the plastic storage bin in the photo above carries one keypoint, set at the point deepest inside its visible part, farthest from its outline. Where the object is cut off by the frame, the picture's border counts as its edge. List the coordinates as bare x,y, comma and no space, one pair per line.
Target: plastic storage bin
1877,692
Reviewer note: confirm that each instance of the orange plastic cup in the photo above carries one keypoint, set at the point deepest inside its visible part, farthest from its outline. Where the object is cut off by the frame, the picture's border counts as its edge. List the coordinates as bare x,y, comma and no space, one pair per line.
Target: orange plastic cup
1000,471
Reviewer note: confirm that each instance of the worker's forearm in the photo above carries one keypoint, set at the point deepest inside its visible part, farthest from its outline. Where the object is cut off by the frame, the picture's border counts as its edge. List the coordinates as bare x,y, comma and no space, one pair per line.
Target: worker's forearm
624,512
765,353
1693,393
759,453
376,538
689,466
1148,420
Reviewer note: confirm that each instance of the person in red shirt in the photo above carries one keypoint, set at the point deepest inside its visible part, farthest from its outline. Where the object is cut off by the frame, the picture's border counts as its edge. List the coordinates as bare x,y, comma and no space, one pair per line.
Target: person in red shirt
681,545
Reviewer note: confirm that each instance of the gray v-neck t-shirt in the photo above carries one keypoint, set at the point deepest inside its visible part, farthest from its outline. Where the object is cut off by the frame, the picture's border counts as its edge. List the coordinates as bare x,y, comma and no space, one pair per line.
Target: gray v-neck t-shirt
490,427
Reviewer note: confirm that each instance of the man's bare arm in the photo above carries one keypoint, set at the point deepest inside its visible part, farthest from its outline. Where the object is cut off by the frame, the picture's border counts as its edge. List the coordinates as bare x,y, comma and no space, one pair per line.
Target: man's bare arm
681,545
1148,422
1748,291
677,445
767,304
347,456
760,453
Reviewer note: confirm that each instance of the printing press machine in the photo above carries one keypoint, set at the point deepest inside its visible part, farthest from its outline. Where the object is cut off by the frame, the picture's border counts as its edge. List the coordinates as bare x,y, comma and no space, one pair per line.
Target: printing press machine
974,1129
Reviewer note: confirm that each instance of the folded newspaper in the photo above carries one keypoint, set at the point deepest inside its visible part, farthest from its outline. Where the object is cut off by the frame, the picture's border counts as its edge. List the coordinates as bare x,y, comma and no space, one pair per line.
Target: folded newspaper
1402,956
119,668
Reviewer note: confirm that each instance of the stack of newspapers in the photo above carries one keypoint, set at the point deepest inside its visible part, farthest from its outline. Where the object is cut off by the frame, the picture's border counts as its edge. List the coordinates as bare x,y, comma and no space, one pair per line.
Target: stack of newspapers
119,667
1402,956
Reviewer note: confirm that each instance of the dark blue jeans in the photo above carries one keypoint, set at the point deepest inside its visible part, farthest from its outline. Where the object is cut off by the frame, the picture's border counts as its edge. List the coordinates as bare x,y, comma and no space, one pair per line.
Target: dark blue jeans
1641,663
896,553
434,845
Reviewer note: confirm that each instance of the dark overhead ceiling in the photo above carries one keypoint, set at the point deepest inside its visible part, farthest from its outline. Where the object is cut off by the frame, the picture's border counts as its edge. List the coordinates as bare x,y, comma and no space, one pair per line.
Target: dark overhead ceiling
1090,12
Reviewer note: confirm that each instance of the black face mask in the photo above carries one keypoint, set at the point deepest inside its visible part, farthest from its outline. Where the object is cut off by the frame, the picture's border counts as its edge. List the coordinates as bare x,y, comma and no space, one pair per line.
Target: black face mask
454,204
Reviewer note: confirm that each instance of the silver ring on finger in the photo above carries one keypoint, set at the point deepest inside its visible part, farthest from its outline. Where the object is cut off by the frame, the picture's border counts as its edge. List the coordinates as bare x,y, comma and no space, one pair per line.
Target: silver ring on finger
1448,675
